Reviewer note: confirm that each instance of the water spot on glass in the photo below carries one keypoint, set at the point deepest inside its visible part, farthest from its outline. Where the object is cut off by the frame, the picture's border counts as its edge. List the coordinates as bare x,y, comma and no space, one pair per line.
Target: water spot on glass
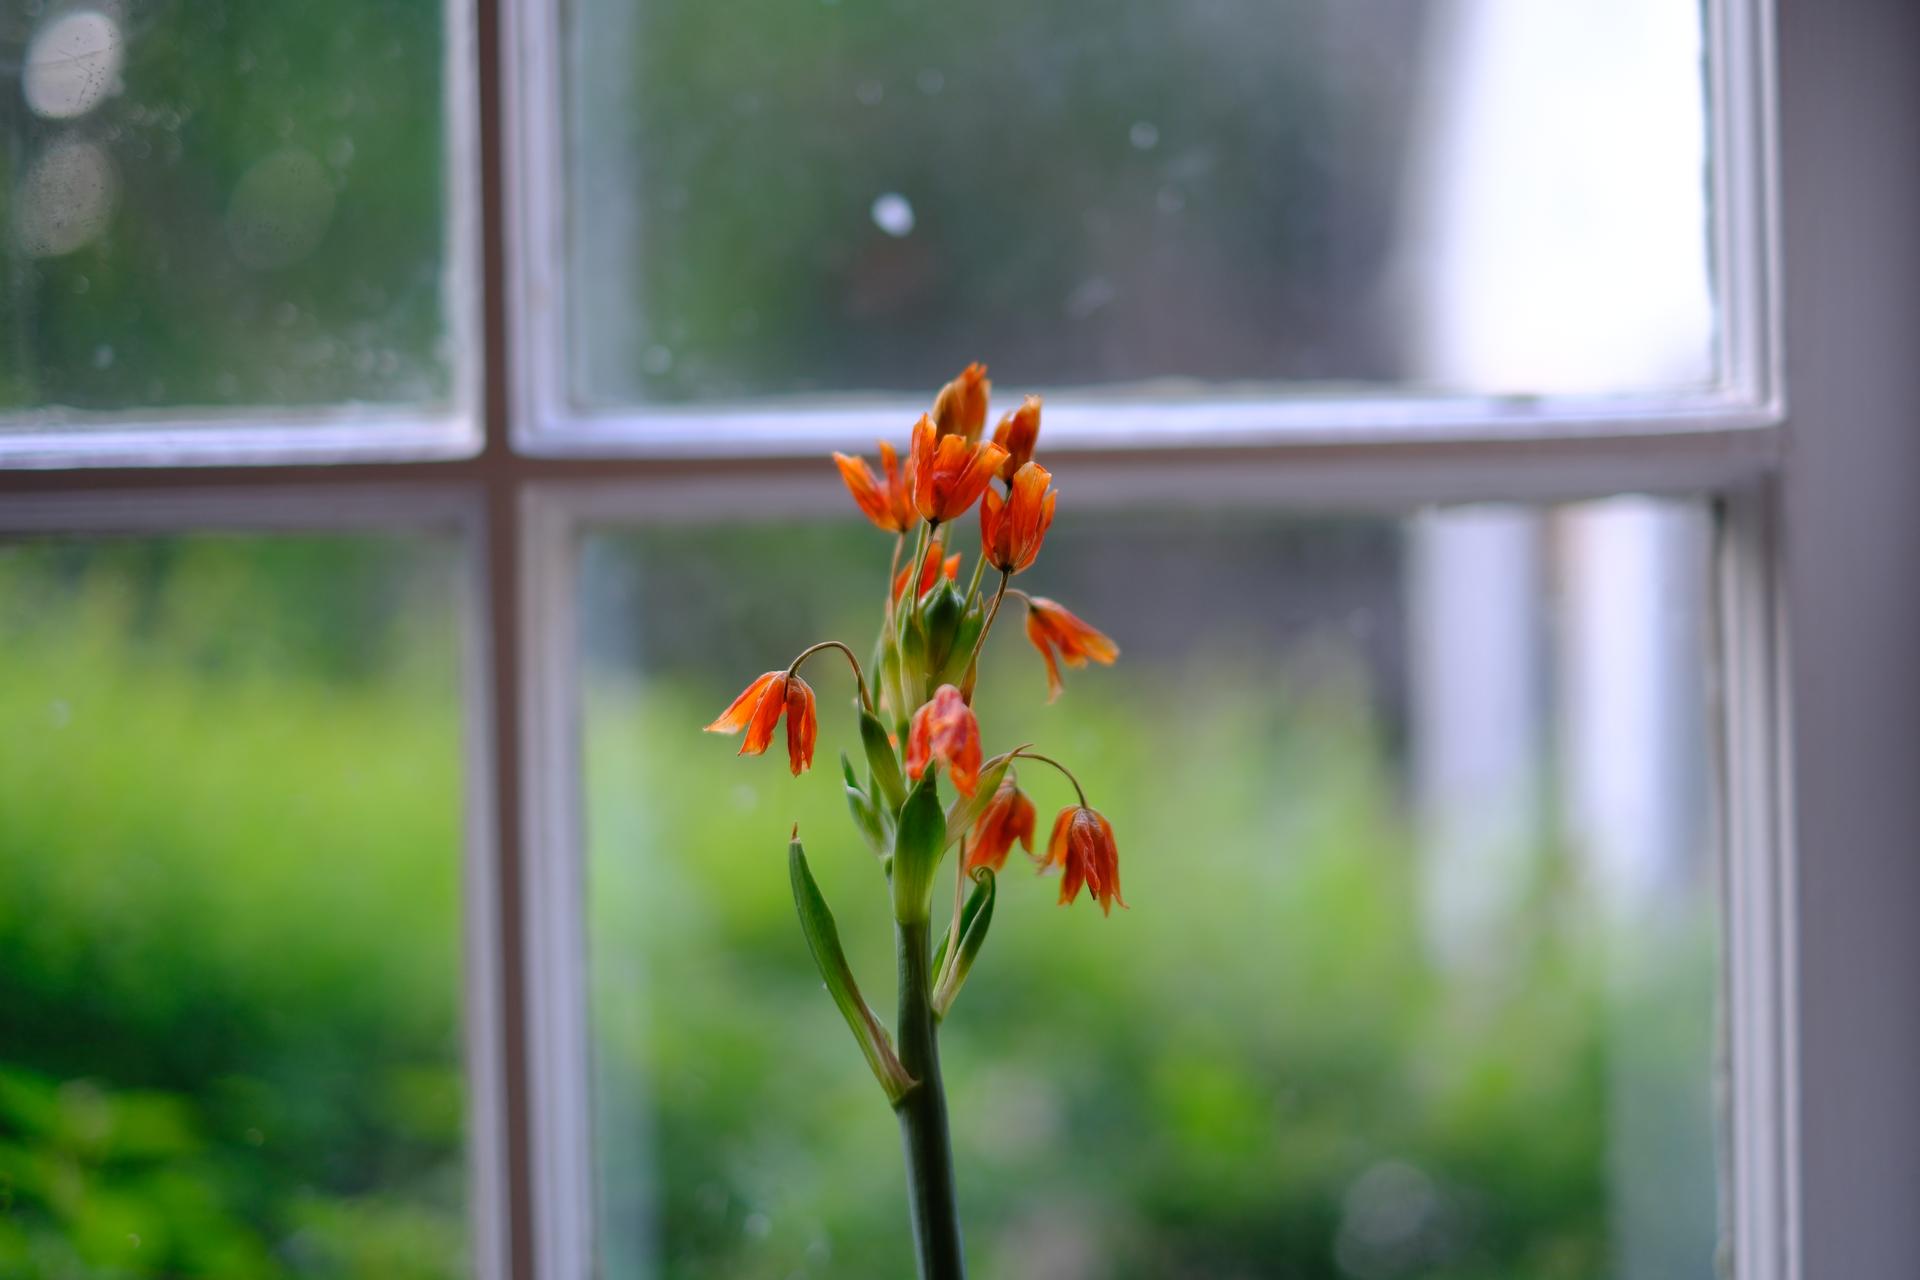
285,315
81,284
746,104
344,104
65,200
1171,200
133,1238
757,1226
389,363
285,127
103,356
892,214
746,322
930,81
280,210
227,386
656,360
1144,135
59,714
819,1250
869,92
245,62
170,120
1387,1216
1089,296
340,154
254,1137
745,798
72,63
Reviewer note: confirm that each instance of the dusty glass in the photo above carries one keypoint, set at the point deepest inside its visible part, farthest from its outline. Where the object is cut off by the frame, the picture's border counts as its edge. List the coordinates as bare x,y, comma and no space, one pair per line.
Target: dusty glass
1420,971
774,200
223,204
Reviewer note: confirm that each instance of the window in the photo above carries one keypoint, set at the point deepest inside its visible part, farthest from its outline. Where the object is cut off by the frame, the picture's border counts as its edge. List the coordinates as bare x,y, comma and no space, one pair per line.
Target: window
1448,349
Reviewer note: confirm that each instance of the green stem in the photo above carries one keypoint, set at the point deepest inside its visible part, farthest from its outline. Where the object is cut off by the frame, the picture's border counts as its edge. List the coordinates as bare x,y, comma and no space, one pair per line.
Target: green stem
923,1116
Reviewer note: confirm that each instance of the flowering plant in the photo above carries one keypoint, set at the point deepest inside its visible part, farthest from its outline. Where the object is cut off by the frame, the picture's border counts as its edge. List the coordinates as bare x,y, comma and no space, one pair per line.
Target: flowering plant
924,666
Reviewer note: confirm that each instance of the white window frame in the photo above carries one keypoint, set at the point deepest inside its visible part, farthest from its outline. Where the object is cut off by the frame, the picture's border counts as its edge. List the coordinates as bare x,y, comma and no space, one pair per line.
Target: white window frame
1818,521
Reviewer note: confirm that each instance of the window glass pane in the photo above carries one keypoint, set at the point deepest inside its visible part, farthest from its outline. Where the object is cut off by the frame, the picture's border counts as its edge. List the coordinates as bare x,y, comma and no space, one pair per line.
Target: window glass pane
224,204
1320,196
230,909
1419,976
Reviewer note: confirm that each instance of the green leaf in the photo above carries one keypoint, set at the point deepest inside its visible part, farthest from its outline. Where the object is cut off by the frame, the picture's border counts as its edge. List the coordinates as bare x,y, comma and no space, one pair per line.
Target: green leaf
966,810
975,918
890,785
918,841
823,940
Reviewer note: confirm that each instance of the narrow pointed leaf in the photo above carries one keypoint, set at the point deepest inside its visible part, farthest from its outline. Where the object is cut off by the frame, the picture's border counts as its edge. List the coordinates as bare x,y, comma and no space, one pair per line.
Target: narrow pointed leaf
918,842
974,921
890,786
823,940
966,810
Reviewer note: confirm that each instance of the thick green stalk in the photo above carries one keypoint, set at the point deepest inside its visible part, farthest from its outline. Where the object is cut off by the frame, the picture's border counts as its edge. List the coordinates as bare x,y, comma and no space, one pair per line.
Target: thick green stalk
923,1116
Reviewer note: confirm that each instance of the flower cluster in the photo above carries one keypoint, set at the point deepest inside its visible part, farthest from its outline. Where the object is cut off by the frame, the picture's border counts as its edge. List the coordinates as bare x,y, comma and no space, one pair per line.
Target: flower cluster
926,661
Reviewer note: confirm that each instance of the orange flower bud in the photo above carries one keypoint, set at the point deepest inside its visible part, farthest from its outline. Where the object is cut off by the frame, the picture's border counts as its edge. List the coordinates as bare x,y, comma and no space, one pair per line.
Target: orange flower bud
803,725
961,407
949,473
888,504
944,731
1017,434
1082,846
1012,528
1054,630
930,573
1008,817
758,710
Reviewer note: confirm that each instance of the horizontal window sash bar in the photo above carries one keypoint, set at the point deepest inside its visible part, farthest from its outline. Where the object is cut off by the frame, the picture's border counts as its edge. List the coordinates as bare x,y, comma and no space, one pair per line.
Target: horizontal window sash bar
255,437
1087,421
1318,477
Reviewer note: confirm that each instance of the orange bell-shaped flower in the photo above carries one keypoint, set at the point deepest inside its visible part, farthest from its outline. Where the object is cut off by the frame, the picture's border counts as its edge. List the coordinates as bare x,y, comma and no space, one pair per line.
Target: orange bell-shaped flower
1056,631
759,709
1082,846
888,503
949,472
803,725
930,572
1008,817
944,731
1017,433
1012,528
961,407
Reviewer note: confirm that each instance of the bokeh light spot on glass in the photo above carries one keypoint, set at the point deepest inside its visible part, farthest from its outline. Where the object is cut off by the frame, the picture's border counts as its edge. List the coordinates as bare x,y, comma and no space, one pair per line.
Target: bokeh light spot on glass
280,209
893,214
66,200
72,64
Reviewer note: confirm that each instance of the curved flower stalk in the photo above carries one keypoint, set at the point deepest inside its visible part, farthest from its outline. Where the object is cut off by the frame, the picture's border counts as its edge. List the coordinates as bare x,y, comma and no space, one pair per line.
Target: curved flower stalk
924,667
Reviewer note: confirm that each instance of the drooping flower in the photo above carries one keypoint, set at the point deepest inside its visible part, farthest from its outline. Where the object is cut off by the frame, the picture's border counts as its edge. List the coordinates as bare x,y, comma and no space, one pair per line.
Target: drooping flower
949,472
944,731
1054,630
1008,817
888,503
758,710
930,572
803,725
961,407
1012,528
1017,434
1082,846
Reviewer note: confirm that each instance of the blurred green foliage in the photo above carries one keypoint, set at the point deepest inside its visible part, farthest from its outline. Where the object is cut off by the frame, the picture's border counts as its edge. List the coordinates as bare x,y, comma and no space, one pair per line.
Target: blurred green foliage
228,958
1259,1070
229,910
